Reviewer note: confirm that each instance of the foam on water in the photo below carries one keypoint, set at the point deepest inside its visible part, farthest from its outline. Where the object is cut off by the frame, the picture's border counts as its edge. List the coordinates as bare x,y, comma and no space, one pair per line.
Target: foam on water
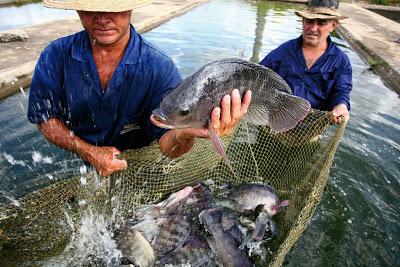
92,243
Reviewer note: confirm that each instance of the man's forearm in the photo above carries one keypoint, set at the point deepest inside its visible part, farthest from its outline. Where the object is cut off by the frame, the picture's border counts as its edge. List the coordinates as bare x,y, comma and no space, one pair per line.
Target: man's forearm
57,133
173,144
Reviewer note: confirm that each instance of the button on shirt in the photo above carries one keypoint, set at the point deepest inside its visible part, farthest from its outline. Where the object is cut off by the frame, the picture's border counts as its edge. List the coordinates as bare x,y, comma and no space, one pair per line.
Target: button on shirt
328,82
66,85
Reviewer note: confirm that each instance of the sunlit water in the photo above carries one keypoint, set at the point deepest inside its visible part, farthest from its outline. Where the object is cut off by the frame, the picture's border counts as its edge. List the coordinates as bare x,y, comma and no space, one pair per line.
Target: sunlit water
357,222
12,17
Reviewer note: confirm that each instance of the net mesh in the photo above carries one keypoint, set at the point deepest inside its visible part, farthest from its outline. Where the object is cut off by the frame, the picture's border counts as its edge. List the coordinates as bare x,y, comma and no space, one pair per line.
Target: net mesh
295,163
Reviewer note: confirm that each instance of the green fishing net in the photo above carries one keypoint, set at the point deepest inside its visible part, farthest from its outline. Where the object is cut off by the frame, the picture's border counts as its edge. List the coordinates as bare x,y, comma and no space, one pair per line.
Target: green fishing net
295,163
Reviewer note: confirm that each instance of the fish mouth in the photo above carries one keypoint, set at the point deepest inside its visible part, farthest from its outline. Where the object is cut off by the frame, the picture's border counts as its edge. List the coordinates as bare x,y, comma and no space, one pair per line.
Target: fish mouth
158,119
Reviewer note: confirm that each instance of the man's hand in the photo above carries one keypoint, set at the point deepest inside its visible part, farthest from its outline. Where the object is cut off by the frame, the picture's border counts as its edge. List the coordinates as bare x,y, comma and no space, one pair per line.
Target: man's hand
339,111
223,119
104,160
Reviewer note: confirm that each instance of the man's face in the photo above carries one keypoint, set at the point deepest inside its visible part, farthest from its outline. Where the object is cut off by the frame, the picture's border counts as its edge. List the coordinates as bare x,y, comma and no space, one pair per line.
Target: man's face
106,28
316,31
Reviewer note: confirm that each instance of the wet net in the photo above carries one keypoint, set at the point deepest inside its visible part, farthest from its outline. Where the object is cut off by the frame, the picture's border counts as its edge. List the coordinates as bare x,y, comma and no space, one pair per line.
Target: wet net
295,163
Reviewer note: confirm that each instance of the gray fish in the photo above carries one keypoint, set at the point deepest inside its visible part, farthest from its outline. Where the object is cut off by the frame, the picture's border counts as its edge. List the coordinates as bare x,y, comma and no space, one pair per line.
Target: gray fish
190,104
224,245
251,196
135,247
259,196
263,222
195,252
199,199
173,233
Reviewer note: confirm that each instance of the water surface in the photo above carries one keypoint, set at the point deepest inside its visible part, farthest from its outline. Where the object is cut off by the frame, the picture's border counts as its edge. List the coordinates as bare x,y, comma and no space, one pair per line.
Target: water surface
13,17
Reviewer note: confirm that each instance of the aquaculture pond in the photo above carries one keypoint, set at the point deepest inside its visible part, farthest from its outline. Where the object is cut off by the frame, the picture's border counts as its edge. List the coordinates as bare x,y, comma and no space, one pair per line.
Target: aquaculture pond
357,222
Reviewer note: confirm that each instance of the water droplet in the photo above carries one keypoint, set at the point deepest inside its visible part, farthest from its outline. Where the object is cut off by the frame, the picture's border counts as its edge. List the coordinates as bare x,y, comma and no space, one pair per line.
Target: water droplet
22,91
37,157
83,169
83,180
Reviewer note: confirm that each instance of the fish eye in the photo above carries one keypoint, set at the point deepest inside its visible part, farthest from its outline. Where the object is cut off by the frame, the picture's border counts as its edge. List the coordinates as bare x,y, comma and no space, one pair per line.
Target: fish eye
183,112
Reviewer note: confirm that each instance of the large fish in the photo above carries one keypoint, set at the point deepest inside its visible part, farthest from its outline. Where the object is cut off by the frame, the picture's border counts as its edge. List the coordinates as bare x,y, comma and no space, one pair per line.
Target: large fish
190,103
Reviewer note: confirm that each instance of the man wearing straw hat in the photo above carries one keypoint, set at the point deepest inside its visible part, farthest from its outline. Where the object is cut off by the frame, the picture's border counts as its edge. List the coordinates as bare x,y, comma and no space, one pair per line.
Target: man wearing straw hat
313,66
92,93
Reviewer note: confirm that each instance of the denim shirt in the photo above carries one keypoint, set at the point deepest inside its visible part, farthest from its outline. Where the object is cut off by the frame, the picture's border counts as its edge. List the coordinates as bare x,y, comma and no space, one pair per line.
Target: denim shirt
328,82
66,86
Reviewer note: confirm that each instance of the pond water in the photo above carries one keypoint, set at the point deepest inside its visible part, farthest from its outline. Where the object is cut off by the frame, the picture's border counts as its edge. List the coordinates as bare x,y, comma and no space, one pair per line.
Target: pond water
357,221
12,17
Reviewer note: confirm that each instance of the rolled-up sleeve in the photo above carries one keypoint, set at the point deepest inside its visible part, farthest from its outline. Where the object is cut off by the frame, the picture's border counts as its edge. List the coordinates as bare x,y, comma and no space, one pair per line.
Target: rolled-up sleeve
45,92
342,87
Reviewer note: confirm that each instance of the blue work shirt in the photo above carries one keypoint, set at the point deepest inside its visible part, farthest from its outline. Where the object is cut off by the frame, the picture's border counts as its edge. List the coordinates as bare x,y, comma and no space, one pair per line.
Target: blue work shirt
66,85
328,82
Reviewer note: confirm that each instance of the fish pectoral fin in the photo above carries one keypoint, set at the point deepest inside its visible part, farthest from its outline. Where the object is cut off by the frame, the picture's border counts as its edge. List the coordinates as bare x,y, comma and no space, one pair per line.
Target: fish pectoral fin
217,144
219,148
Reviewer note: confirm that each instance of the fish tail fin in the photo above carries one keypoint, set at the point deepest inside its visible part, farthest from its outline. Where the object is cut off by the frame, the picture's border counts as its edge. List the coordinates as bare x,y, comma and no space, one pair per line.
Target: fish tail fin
283,203
289,111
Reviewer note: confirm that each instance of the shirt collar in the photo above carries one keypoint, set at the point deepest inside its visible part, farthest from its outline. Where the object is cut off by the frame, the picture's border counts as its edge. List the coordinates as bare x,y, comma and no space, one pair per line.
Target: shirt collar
81,47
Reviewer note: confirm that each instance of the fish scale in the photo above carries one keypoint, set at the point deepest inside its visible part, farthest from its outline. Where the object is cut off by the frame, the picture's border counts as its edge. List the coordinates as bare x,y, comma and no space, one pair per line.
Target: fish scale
172,234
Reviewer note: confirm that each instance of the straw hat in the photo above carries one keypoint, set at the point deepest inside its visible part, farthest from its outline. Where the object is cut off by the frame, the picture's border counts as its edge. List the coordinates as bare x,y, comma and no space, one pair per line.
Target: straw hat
321,9
96,5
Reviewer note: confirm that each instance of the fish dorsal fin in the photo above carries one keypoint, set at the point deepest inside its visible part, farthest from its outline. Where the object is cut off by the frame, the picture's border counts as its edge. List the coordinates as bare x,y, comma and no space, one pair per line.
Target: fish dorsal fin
285,113
291,110
257,114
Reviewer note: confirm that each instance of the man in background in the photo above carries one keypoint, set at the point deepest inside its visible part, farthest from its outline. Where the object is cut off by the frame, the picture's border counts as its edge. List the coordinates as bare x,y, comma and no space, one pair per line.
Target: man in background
313,66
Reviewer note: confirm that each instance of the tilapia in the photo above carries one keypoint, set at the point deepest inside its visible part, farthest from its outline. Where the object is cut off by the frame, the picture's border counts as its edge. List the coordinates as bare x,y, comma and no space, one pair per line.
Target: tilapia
223,244
259,197
173,233
250,196
191,102
135,247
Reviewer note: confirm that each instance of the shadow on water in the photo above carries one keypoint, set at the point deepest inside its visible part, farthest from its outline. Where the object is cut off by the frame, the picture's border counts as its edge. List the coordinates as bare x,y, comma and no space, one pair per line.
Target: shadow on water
357,221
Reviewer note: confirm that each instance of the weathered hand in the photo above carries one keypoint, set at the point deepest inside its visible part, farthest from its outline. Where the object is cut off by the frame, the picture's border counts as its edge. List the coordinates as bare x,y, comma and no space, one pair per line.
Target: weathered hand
223,119
104,160
339,111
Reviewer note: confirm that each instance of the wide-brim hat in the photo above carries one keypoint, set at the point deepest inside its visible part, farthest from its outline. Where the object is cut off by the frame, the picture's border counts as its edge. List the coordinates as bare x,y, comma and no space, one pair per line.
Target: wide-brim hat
96,5
320,13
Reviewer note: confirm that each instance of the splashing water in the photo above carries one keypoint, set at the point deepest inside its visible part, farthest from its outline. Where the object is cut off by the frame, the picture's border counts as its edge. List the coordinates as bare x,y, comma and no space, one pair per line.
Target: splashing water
10,159
92,244
8,197
37,157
